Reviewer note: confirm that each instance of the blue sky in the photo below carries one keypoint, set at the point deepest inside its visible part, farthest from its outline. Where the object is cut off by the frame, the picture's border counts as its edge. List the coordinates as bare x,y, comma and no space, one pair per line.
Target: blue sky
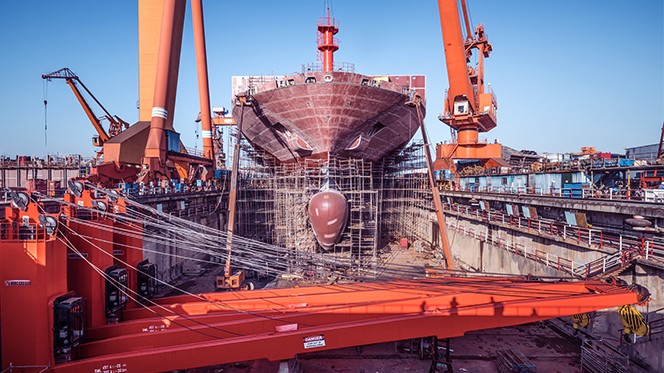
567,73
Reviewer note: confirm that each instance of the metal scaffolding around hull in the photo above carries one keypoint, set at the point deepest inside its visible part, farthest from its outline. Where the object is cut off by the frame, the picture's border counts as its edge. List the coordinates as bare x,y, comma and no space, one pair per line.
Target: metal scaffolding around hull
388,200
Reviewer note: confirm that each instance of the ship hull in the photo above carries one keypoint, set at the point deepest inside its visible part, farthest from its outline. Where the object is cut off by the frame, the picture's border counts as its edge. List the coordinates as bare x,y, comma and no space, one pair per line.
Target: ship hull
321,114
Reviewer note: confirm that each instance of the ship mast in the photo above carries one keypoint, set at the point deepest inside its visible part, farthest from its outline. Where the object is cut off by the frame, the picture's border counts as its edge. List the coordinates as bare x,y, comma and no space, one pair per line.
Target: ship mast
327,43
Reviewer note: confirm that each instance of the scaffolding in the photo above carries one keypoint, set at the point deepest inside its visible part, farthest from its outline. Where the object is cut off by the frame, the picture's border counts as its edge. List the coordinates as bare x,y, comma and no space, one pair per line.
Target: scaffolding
408,210
388,200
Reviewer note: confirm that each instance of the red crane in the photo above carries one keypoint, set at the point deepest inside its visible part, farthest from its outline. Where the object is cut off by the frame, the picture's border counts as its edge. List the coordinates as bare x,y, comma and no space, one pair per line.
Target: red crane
160,149
116,125
470,108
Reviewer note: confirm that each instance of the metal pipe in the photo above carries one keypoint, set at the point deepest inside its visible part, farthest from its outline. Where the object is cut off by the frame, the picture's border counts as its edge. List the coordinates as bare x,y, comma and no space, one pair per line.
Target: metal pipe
434,191
176,47
203,84
466,21
232,196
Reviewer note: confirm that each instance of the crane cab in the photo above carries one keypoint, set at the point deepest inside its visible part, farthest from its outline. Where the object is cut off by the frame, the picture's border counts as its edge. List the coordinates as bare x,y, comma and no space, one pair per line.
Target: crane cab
461,107
96,141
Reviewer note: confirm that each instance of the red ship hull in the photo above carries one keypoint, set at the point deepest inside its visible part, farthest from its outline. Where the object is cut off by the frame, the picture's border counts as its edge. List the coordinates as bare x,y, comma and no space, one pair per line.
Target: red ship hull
340,114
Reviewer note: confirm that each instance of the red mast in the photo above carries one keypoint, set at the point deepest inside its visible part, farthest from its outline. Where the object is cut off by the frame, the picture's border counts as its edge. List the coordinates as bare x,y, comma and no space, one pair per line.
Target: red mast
327,43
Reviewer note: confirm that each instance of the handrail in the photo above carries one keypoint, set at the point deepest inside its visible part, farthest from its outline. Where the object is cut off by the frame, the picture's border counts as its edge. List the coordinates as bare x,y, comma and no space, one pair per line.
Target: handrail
11,367
194,151
167,188
22,232
594,238
627,249
656,327
571,193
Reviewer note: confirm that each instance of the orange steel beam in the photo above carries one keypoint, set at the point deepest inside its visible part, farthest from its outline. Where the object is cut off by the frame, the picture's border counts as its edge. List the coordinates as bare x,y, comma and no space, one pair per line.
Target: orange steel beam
455,53
201,67
149,24
103,136
338,298
466,21
339,315
273,299
175,48
280,346
438,205
165,84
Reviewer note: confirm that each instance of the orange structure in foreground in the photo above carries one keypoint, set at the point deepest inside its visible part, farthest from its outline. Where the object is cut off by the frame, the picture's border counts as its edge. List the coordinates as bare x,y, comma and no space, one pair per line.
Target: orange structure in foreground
45,324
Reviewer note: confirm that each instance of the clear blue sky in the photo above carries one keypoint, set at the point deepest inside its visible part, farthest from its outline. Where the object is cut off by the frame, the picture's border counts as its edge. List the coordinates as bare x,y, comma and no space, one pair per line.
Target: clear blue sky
567,73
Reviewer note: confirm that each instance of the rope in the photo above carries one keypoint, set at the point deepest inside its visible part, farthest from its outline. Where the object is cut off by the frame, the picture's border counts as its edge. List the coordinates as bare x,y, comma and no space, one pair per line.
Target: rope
45,91
126,290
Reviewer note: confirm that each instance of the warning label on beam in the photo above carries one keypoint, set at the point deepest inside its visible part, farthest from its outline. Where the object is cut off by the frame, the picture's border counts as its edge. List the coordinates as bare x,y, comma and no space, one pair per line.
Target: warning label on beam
314,341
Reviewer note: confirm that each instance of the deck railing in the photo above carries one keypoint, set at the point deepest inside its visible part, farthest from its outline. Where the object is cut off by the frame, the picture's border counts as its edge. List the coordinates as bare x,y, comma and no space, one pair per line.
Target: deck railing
571,193
622,248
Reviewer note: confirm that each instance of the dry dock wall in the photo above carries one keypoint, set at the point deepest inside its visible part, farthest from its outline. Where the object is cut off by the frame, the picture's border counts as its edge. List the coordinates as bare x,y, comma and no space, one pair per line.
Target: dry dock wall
473,250
174,260
472,245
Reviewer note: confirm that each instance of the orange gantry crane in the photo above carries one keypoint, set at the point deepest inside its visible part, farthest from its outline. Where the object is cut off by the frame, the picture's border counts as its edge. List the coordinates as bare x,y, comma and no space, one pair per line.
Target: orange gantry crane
61,313
116,124
151,150
470,107
161,24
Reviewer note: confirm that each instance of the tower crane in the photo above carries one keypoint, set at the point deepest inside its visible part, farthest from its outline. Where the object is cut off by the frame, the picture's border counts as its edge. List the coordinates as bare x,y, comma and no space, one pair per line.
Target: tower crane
470,106
116,125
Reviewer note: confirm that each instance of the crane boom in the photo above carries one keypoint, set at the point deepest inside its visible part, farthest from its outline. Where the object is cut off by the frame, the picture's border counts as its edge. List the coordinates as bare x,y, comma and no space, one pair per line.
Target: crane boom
73,80
456,55
469,108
